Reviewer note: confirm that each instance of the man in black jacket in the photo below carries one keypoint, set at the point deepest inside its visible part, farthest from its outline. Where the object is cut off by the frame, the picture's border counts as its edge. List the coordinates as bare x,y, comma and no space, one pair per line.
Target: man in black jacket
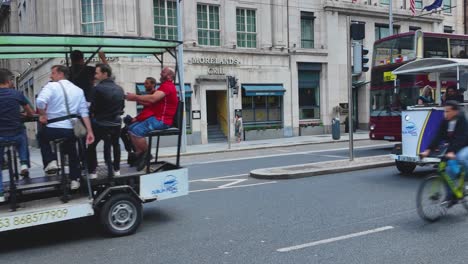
107,104
453,131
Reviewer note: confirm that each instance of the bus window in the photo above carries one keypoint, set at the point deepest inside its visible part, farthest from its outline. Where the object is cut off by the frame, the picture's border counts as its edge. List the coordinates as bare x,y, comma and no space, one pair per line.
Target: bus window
458,48
394,51
435,47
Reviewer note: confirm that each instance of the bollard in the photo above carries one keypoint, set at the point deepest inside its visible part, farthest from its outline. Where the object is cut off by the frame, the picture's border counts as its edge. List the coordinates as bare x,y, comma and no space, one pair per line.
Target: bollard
336,128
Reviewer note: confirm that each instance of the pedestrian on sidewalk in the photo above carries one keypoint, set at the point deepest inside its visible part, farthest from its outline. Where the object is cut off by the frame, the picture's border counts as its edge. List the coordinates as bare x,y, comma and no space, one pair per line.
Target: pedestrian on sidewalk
11,128
238,128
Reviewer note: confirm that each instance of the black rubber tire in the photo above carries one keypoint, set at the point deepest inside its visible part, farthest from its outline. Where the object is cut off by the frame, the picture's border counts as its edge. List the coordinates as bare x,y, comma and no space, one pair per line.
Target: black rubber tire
433,191
126,207
405,167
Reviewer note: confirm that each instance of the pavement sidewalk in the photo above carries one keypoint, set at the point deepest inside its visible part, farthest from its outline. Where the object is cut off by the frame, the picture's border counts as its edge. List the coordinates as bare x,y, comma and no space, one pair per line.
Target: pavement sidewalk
320,168
165,152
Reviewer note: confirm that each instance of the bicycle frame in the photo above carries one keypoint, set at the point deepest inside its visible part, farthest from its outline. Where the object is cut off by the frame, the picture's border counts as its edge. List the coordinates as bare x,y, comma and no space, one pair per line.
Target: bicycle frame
456,189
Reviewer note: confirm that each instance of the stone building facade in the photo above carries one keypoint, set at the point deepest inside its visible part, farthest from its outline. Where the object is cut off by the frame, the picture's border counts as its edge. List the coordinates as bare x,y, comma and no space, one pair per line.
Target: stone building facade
289,56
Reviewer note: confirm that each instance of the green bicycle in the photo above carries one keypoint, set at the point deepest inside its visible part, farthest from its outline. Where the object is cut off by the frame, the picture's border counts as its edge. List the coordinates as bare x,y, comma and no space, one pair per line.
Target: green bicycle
431,198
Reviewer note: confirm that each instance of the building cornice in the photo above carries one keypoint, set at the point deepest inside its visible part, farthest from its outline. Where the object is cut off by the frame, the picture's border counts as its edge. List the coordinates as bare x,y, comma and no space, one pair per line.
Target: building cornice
363,10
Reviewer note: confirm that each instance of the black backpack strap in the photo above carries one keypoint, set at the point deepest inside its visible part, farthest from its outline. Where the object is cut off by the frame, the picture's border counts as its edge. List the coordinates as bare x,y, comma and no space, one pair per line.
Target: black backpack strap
62,118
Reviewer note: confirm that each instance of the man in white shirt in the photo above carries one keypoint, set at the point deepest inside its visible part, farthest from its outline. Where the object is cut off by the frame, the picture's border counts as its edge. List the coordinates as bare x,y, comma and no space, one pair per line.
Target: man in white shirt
53,114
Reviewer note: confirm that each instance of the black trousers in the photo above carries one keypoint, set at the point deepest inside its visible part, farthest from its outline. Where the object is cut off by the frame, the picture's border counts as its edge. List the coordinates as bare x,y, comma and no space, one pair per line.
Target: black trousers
110,135
126,140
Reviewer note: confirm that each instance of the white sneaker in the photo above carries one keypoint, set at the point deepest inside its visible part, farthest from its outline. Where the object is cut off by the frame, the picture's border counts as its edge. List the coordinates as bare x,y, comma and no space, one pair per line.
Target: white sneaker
93,175
74,185
52,166
117,173
24,170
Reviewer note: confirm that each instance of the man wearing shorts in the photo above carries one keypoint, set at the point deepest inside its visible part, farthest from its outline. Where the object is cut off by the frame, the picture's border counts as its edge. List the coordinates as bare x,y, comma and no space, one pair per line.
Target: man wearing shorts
163,106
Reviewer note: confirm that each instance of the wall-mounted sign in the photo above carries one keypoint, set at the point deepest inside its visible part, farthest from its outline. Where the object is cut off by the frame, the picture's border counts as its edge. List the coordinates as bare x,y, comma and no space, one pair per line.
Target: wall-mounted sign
196,114
216,71
214,61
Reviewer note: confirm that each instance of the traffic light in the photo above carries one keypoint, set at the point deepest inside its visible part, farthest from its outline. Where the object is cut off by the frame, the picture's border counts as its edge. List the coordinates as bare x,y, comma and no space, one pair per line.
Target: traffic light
357,58
233,84
364,59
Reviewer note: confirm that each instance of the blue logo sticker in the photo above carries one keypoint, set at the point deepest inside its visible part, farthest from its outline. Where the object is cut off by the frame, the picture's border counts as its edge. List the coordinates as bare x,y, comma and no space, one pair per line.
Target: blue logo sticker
410,129
169,185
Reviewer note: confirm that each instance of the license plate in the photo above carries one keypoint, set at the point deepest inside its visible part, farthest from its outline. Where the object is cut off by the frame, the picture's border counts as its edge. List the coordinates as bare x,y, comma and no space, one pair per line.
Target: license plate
406,158
389,137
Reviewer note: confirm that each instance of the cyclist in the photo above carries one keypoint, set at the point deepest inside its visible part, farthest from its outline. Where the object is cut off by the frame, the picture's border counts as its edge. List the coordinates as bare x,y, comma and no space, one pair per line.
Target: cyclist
452,131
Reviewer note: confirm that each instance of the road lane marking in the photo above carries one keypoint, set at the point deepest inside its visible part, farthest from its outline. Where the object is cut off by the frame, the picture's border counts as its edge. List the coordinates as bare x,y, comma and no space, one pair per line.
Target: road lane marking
220,177
334,239
329,156
284,154
231,187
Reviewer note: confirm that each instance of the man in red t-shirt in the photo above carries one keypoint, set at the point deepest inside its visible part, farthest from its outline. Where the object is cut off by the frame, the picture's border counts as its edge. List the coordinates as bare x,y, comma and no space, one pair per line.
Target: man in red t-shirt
160,107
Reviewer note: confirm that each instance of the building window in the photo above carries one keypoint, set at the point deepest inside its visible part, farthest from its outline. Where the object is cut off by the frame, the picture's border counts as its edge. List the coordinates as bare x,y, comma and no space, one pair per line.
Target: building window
412,28
307,30
309,95
261,110
384,2
246,24
448,29
382,31
418,4
92,17
447,6
165,19
208,25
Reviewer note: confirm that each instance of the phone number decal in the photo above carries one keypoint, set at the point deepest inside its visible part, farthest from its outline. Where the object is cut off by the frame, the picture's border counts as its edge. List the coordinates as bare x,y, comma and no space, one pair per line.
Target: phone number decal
32,219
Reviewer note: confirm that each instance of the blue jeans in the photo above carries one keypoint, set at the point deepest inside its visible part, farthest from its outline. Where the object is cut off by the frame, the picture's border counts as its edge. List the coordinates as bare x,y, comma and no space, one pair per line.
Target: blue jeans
140,129
48,134
22,148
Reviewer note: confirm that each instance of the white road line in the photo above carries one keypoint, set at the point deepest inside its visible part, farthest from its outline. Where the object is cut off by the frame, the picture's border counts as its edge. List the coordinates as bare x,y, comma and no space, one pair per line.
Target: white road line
220,177
284,154
231,187
330,156
330,240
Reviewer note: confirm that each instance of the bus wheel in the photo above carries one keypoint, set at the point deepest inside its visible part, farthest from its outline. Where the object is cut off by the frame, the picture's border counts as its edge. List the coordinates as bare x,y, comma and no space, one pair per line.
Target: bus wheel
405,167
121,215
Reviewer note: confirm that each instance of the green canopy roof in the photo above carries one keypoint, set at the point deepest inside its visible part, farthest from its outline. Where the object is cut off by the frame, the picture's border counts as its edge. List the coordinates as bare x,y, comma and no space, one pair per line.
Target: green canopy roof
24,46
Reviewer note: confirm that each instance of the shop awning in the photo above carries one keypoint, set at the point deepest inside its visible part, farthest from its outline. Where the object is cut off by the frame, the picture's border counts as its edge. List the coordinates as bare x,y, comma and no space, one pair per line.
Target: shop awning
263,89
188,89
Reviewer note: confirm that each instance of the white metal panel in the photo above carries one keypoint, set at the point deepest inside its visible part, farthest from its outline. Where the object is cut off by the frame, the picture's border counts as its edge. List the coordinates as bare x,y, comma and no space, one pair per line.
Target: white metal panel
164,185
44,211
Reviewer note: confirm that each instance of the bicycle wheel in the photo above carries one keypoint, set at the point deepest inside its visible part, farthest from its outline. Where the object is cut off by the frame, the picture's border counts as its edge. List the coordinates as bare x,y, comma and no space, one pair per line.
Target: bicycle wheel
430,198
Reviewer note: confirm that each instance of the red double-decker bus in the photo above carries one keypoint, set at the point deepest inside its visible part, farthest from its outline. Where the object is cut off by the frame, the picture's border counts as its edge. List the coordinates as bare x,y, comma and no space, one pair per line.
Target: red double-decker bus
389,97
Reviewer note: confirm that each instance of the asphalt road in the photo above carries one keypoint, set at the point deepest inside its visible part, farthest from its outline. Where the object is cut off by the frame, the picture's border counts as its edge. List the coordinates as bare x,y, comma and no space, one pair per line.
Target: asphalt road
364,216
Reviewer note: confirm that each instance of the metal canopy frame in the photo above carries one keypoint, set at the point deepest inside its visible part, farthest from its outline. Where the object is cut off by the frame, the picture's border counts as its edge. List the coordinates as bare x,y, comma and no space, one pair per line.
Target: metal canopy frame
29,46
442,68
49,46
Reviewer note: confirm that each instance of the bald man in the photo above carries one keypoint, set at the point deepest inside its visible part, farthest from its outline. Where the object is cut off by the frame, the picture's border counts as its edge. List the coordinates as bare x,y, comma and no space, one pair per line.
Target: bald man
163,105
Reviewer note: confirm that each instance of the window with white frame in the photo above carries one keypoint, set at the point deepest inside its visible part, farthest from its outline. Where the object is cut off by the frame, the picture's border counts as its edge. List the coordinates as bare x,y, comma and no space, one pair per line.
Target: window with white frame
418,4
307,30
246,24
208,25
165,19
92,17
447,6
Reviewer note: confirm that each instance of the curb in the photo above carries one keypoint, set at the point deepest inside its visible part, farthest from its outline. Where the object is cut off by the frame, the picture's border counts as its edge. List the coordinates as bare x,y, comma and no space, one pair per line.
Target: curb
258,147
287,172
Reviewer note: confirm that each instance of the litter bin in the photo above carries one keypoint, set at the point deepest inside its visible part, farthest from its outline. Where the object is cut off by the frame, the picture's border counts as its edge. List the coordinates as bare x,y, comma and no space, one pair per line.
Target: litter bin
336,128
